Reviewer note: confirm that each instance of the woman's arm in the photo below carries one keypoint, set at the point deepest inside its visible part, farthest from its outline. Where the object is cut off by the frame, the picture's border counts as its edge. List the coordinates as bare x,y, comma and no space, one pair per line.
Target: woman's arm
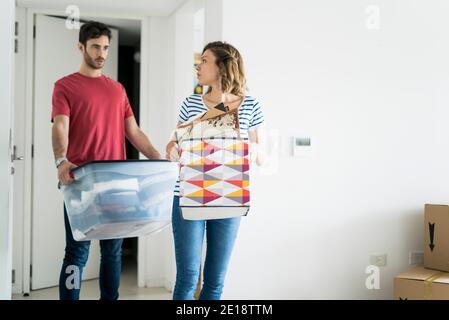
172,149
257,144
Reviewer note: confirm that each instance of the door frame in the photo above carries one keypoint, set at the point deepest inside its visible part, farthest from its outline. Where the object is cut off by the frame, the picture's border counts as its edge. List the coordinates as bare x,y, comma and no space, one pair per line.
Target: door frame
7,96
28,161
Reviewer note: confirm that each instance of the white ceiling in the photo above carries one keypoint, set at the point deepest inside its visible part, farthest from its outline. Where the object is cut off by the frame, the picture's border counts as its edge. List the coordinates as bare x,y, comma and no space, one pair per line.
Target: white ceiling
131,7
129,30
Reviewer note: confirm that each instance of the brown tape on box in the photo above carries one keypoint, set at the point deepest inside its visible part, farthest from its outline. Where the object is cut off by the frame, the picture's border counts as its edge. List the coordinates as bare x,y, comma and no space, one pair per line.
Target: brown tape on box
428,285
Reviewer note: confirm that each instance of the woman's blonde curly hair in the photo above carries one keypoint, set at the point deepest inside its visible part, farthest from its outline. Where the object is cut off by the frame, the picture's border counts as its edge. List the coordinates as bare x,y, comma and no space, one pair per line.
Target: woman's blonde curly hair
231,67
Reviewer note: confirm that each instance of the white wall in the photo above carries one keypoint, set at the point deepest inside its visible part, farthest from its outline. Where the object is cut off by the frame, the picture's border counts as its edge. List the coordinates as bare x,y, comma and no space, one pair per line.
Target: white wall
375,104
158,119
213,20
6,92
171,78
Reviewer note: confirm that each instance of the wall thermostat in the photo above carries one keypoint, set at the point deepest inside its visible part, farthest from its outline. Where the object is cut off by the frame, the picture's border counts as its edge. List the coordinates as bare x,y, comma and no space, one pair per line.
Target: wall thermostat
302,146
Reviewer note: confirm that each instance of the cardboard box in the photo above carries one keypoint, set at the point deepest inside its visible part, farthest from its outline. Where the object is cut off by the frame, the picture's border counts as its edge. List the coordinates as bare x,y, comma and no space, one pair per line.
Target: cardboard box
436,237
420,283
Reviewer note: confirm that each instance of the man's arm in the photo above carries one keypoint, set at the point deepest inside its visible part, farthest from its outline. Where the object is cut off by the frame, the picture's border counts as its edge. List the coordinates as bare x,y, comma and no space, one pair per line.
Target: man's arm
60,141
139,140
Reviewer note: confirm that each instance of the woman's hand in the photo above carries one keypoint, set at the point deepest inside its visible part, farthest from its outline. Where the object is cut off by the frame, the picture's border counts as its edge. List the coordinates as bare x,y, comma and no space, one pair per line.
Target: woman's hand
257,147
172,151
256,154
253,152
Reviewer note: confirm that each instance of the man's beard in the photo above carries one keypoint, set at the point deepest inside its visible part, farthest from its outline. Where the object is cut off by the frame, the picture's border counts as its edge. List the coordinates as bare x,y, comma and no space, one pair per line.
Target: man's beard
91,62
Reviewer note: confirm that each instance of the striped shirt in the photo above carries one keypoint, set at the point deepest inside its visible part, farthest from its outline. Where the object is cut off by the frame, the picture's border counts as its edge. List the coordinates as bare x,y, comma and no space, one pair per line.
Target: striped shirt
250,115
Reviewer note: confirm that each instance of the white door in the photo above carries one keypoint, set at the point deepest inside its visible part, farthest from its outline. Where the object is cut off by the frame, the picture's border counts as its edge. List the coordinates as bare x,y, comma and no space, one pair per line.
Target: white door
6,141
19,151
56,55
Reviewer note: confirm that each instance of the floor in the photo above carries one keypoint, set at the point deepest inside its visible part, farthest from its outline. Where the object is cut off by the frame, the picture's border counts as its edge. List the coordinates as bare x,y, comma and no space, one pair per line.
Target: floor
90,289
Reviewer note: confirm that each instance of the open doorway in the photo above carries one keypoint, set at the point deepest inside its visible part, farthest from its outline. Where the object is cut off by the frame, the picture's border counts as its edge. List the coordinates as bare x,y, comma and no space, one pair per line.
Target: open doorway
39,232
129,76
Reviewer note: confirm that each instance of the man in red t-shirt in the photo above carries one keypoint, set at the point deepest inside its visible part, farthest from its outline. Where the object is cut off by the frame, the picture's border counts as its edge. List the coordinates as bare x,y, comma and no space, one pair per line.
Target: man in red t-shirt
91,117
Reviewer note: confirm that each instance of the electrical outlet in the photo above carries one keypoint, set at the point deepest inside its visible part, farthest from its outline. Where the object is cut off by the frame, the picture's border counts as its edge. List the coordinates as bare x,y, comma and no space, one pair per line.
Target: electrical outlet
379,259
416,257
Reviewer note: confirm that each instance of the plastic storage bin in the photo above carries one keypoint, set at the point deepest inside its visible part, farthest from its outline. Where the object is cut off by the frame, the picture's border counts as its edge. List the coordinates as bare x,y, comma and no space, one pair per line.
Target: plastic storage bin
120,199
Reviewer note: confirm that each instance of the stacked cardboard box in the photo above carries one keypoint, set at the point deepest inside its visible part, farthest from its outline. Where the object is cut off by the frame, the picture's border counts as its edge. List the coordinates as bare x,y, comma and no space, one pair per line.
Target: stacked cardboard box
432,280
436,239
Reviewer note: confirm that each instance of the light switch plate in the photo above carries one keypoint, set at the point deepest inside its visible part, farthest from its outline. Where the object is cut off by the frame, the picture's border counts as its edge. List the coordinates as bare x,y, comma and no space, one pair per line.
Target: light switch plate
378,259
301,146
416,257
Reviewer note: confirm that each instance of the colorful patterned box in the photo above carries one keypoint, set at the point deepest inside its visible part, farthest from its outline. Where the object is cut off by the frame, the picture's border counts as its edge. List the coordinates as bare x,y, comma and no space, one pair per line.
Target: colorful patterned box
214,178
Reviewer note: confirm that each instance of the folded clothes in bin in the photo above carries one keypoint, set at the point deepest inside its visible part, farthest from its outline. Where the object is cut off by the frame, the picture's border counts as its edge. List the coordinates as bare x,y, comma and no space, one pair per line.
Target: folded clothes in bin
121,198
117,185
117,201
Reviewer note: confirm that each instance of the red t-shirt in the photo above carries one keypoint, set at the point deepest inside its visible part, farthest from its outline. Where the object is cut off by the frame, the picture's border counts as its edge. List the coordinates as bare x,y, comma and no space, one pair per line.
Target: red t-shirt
97,108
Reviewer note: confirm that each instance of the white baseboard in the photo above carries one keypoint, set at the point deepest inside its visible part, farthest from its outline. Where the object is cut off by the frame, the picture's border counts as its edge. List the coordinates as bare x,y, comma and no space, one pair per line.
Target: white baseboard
160,282
169,285
16,289
154,282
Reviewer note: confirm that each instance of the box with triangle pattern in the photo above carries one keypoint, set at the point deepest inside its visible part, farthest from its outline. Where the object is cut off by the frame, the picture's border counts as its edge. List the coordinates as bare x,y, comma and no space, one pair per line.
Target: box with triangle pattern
214,178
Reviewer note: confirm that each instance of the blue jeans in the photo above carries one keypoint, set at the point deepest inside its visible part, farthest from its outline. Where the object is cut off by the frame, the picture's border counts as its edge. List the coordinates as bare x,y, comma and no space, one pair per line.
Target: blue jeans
188,237
76,253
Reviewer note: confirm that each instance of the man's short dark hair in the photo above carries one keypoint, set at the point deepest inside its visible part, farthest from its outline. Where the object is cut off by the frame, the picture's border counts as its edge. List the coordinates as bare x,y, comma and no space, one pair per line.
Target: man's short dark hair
93,30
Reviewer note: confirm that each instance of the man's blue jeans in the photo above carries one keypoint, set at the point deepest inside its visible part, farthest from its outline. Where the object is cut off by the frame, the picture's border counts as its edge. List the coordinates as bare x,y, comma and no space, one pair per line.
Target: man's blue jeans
188,237
76,253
